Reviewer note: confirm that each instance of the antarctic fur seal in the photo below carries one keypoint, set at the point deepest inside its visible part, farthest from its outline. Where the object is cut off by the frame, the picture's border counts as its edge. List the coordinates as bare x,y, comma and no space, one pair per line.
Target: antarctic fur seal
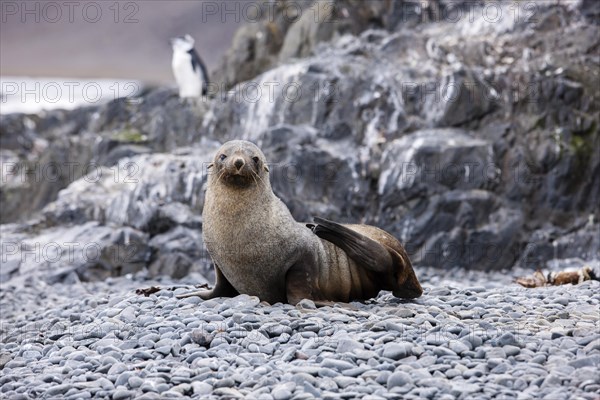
259,249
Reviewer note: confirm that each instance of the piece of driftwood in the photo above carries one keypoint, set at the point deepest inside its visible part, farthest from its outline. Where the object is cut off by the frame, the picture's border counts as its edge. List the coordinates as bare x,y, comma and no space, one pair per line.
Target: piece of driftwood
147,291
538,279
153,289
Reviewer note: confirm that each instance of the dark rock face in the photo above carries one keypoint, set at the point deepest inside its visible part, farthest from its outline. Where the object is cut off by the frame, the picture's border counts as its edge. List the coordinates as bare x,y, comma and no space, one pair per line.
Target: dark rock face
291,29
474,142
43,154
144,212
86,252
175,251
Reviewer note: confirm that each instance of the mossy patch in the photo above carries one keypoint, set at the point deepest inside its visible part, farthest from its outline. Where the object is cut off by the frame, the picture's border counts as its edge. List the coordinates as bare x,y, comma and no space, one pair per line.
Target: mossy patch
130,136
582,144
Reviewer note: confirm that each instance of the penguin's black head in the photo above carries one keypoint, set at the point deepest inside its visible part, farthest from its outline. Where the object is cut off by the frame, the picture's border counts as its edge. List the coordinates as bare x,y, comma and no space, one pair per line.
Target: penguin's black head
182,43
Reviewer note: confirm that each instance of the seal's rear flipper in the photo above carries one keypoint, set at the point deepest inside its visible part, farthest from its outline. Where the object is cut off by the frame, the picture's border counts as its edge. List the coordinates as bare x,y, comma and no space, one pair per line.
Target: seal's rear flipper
363,250
386,256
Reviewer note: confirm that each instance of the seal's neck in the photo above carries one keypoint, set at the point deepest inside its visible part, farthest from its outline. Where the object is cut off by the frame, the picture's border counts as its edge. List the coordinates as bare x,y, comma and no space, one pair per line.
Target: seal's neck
232,197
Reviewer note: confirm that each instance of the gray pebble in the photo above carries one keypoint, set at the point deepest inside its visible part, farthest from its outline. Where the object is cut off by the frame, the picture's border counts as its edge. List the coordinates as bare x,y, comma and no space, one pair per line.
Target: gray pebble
396,351
311,390
201,388
227,382
283,391
561,300
329,373
507,339
398,379
123,394
356,371
458,347
452,373
164,350
144,355
585,361
123,378
510,350
348,346
442,351
338,365
58,390
135,382
474,340
539,359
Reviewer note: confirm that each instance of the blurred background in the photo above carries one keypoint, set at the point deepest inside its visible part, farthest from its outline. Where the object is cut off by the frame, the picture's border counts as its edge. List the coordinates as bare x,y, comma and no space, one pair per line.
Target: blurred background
469,130
129,40
120,47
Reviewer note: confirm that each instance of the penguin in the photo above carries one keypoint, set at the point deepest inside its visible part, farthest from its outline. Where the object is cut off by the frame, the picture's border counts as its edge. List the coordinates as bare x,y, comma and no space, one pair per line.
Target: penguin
189,70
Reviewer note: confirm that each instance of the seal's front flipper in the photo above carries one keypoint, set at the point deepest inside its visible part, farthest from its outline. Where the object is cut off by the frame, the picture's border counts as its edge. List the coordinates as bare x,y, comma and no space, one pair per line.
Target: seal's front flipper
222,288
301,280
363,250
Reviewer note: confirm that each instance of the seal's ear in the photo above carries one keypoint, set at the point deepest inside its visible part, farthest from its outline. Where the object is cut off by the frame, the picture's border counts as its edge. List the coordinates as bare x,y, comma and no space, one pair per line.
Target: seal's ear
210,165
266,168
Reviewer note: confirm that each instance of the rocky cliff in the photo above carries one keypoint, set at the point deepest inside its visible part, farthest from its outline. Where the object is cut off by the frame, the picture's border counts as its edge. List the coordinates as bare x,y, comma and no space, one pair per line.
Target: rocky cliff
469,130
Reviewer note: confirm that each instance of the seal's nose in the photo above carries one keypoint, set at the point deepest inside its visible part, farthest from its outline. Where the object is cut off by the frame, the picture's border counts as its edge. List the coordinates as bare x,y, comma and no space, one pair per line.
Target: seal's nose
239,163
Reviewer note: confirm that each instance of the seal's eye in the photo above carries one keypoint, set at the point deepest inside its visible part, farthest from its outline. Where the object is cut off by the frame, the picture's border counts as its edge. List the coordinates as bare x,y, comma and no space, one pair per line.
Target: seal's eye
222,157
256,160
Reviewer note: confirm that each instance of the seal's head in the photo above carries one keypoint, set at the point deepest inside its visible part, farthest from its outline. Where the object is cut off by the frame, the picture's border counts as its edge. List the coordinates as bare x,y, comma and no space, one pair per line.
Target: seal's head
240,164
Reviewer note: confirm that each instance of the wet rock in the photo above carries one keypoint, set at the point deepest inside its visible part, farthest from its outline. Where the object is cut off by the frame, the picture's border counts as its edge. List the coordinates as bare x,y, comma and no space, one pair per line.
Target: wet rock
85,252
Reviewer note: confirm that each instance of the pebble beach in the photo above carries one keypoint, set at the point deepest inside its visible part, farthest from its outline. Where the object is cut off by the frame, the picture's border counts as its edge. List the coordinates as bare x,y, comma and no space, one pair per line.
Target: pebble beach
471,335
469,130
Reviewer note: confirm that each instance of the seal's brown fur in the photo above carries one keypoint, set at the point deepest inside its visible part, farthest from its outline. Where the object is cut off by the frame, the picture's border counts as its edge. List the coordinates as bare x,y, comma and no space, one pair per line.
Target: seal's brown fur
259,249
